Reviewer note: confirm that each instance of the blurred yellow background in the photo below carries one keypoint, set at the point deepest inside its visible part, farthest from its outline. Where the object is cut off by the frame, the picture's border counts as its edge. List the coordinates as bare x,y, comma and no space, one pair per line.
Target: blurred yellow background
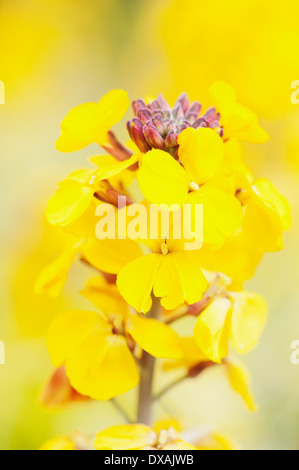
56,54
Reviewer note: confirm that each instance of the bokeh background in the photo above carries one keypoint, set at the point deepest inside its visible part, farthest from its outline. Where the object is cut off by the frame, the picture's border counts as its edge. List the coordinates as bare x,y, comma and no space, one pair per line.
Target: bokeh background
55,54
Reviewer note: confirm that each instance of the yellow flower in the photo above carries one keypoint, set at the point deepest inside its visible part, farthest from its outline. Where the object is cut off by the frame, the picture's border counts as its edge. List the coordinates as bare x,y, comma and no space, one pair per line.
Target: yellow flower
105,296
239,380
215,440
59,443
52,278
192,357
75,193
194,361
95,348
140,437
109,256
163,180
239,320
90,122
238,121
76,441
170,272
266,217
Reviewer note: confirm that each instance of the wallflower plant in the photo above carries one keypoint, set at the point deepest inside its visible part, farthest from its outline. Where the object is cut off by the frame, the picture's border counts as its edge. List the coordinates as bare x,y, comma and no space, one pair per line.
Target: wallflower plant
176,157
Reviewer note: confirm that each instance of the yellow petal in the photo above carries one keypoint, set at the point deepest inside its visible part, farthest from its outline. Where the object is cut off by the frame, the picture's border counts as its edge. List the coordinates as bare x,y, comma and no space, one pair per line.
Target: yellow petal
242,124
222,213
178,445
179,279
105,296
109,166
201,152
69,202
248,320
237,257
125,437
53,277
192,355
68,330
268,214
239,379
269,196
84,226
59,443
165,424
156,338
89,123
102,366
110,255
135,281
162,179
216,441
223,95
212,330
238,121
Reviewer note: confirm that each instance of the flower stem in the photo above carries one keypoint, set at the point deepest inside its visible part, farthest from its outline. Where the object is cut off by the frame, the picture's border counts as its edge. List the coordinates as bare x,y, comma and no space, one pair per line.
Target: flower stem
147,365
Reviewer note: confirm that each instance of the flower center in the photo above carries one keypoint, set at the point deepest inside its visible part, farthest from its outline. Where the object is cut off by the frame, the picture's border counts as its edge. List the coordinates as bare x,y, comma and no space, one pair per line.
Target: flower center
193,186
164,249
92,180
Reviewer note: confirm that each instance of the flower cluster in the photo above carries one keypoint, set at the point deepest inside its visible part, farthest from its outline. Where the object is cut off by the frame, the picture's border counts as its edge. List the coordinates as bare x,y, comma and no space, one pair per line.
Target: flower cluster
176,158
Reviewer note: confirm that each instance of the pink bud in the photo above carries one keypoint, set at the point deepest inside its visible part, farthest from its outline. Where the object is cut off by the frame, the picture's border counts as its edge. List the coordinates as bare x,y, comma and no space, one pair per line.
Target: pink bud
194,108
184,101
144,115
137,136
153,137
158,123
171,140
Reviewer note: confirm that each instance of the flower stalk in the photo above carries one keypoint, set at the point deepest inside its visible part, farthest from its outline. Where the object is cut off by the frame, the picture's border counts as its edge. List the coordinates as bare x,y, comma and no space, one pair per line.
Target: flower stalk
147,366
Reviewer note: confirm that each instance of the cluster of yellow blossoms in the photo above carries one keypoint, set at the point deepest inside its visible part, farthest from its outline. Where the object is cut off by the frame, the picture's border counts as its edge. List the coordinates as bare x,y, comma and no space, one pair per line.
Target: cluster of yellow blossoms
175,156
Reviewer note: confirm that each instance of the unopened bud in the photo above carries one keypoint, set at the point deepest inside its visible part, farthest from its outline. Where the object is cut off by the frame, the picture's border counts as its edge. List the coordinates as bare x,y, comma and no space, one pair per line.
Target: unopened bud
144,115
163,103
153,137
184,101
158,123
138,104
171,140
200,122
194,108
178,112
137,136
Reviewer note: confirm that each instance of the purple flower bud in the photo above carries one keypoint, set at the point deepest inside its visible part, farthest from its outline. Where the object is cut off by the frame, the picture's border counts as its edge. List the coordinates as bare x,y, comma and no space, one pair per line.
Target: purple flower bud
137,136
158,123
178,112
144,115
169,126
194,108
200,122
154,105
137,122
184,101
171,140
152,136
191,117
138,104
214,124
209,112
163,103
